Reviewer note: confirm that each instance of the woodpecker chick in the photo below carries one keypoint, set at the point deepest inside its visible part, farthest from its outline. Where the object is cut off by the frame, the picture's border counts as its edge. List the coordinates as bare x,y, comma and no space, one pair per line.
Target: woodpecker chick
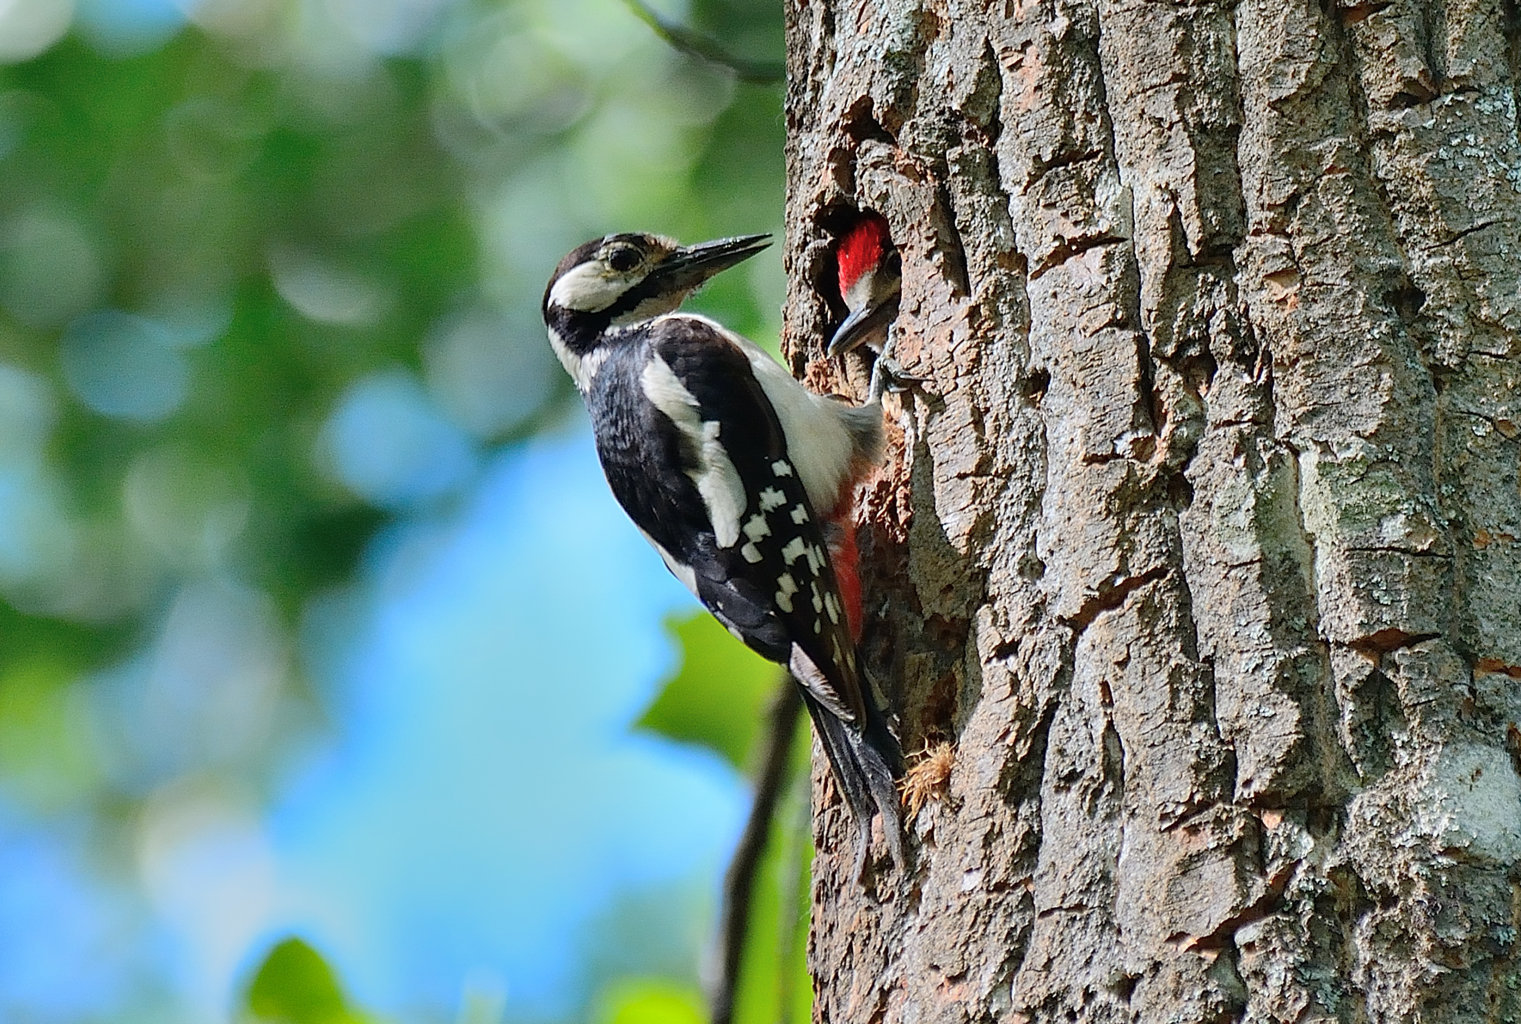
870,275
741,479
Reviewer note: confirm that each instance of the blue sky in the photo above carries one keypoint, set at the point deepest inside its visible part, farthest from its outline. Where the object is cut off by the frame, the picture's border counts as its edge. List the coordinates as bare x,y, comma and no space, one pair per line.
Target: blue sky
476,807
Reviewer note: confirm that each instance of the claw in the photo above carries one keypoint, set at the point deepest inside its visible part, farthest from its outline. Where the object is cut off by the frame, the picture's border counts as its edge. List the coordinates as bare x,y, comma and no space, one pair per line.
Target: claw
887,374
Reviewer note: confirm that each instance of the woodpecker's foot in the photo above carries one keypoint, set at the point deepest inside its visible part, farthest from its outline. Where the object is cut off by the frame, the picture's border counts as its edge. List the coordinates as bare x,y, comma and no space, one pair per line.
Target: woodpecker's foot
887,375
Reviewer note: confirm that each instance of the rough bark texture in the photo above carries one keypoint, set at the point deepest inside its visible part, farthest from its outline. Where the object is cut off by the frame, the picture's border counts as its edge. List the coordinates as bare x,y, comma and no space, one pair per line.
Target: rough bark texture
1201,542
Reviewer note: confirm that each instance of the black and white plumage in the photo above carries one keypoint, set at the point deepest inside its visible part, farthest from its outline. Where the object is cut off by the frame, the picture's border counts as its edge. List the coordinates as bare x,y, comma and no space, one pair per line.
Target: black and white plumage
740,477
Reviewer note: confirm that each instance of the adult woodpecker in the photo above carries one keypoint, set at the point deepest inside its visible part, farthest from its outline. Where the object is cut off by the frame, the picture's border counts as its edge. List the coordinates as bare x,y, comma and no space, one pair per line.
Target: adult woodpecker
741,479
870,276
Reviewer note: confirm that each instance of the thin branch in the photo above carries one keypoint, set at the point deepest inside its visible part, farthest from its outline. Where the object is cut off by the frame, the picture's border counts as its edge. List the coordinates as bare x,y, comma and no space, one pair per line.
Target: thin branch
794,890
759,72
739,881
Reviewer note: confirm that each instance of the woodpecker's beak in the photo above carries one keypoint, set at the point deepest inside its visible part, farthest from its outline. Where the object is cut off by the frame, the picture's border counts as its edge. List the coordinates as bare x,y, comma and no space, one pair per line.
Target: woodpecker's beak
691,265
863,323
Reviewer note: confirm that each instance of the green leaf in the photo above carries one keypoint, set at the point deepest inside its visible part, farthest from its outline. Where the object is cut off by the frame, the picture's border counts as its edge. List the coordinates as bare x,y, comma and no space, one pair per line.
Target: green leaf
719,695
294,985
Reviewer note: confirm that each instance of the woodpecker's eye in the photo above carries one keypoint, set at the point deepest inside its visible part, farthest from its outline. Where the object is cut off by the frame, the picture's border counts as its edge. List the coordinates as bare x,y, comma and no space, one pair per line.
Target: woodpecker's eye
623,258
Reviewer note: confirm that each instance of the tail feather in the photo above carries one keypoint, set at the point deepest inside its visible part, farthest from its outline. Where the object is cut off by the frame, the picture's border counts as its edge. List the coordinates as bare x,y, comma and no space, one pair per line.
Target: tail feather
866,764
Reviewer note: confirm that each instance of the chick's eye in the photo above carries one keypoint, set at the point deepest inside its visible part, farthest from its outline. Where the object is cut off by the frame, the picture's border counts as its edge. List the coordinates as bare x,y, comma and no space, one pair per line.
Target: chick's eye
623,259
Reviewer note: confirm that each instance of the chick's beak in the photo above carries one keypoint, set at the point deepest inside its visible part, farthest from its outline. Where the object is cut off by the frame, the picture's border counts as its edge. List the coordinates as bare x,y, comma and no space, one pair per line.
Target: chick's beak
866,324
853,330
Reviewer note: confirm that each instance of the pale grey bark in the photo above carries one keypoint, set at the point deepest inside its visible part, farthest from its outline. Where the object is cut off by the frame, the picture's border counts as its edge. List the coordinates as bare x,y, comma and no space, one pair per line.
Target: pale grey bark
1201,543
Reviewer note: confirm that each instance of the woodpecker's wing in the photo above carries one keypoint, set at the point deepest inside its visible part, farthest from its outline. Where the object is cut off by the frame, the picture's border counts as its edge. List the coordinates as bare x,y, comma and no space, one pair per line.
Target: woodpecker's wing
757,557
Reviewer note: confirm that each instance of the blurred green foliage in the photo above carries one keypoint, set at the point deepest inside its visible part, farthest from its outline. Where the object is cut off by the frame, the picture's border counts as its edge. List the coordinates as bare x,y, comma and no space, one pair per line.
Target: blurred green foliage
214,251
719,694
269,281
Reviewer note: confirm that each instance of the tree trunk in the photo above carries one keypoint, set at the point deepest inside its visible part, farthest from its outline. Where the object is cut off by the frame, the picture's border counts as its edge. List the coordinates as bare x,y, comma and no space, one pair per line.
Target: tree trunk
1200,540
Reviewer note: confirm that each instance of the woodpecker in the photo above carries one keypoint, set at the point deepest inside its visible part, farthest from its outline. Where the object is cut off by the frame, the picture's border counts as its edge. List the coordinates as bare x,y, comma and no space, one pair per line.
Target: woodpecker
741,479
870,277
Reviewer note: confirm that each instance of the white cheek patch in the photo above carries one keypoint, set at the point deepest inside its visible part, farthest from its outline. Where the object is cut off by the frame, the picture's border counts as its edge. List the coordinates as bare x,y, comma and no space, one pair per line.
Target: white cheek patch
587,289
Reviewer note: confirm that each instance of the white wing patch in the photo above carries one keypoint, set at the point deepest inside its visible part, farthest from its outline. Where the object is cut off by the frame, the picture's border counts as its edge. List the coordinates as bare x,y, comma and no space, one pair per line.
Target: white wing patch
715,477
832,606
827,439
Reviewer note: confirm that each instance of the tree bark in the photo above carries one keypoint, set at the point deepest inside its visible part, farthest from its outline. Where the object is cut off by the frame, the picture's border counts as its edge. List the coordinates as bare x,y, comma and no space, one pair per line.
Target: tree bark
1200,540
